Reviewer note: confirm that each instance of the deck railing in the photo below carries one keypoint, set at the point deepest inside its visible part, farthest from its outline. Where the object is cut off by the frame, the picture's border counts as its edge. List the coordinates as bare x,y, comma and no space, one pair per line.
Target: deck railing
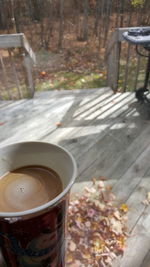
125,68
16,66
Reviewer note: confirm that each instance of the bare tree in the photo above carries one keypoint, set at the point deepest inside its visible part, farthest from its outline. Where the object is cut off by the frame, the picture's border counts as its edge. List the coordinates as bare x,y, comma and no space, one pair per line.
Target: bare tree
97,16
2,15
42,17
85,20
35,9
16,11
122,6
76,15
107,19
101,25
61,24
5,14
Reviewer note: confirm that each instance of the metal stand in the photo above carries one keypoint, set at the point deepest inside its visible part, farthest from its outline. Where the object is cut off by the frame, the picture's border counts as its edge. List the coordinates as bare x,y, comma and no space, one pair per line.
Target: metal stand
140,36
141,92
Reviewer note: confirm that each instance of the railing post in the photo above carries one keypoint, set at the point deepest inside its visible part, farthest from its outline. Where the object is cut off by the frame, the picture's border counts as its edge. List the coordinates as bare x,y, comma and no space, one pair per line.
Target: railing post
19,41
112,58
28,65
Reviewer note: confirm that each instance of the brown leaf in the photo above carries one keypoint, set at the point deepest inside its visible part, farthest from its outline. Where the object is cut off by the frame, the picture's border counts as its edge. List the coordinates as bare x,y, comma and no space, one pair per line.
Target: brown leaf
43,74
58,124
96,227
94,180
2,123
102,178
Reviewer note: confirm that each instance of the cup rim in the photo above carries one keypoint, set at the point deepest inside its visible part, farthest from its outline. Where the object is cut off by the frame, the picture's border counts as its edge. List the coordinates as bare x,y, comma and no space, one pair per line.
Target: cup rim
54,200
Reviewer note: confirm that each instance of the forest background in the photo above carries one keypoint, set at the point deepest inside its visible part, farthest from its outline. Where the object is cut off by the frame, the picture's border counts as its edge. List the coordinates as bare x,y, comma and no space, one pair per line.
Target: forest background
70,37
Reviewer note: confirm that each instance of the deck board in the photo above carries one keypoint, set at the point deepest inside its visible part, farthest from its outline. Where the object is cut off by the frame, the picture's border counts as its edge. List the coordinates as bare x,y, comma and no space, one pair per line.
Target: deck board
132,178
139,243
146,261
108,134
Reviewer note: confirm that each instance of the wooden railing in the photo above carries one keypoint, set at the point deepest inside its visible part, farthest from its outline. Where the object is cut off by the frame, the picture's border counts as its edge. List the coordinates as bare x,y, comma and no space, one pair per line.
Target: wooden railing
125,68
16,66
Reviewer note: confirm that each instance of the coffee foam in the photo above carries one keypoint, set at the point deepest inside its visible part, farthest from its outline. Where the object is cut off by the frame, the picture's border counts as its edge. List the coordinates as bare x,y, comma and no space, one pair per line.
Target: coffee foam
27,188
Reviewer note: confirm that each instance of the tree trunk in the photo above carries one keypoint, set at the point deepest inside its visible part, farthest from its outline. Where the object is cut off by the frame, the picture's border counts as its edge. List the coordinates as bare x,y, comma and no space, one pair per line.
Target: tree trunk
2,15
97,16
30,9
85,21
49,24
61,24
117,11
101,25
35,9
5,14
146,8
16,14
76,16
122,2
107,20
130,17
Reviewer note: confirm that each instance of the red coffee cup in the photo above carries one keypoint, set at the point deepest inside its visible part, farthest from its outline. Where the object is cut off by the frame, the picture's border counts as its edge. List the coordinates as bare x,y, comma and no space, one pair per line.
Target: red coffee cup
36,237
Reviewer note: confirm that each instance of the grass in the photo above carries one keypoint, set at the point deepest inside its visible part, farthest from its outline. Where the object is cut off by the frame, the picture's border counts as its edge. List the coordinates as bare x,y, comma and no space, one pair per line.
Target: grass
72,80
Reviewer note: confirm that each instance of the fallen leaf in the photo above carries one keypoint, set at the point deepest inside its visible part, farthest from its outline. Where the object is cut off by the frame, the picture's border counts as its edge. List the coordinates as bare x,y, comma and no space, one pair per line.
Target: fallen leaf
101,184
116,226
72,246
108,188
77,263
124,207
69,258
109,261
94,180
43,74
146,201
2,123
117,215
103,178
91,212
58,124
96,226
148,197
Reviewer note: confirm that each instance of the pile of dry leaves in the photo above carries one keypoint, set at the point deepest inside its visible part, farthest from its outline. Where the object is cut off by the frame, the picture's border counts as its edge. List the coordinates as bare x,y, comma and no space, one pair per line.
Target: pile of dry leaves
97,228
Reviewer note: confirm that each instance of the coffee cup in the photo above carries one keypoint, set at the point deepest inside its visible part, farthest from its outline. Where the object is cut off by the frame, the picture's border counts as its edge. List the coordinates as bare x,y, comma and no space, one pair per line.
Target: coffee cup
36,237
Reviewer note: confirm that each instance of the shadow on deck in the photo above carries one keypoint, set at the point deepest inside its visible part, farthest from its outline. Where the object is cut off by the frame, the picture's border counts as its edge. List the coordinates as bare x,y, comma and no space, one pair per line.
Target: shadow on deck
108,134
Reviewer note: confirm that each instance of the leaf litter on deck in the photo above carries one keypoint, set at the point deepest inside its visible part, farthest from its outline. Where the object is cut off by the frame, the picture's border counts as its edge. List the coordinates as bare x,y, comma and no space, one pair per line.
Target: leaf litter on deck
96,228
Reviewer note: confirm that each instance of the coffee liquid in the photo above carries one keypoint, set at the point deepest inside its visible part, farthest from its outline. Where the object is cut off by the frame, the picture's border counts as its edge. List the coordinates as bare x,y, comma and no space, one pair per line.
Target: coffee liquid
28,187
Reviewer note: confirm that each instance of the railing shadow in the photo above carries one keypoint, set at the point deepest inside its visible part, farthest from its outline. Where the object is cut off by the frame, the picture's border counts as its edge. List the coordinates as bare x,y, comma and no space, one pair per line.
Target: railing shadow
102,132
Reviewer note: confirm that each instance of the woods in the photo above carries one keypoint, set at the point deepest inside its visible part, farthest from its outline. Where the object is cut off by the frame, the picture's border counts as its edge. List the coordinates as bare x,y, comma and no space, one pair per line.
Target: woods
52,20
71,39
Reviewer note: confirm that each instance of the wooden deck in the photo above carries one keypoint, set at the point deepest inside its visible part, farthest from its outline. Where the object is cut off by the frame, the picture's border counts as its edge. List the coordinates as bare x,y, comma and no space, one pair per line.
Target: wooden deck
108,134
